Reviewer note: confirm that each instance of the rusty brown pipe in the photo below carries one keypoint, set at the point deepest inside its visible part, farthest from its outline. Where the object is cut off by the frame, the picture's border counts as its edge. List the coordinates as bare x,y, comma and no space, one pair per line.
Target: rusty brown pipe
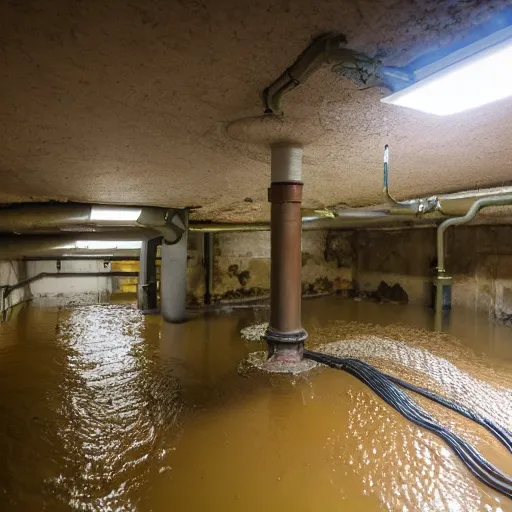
285,280
285,335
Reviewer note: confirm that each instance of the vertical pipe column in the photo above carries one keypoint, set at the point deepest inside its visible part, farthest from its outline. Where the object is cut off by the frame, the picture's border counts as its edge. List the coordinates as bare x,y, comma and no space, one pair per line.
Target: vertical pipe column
173,275
147,288
2,304
208,267
285,335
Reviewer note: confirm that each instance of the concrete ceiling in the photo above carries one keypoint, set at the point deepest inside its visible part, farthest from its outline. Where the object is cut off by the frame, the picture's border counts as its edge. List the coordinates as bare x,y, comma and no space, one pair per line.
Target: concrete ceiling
127,102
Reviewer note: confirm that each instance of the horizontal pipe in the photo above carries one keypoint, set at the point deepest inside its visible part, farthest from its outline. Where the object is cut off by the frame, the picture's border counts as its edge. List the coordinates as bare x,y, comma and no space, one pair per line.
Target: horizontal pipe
397,213
458,204
453,204
366,222
485,202
24,217
19,246
317,223
217,227
93,257
66,219
8,289
72,218
29,217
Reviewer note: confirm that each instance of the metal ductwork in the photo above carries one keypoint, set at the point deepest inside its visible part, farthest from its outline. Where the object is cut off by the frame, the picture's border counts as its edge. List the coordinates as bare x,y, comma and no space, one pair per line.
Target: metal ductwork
74,220
24,218
77,217
20,246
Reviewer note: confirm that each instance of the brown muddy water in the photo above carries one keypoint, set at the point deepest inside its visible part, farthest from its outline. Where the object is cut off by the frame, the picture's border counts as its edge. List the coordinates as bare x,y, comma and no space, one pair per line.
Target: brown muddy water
104,409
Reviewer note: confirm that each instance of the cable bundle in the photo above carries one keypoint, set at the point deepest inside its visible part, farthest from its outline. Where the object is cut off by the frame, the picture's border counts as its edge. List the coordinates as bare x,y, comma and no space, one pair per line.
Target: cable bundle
387,388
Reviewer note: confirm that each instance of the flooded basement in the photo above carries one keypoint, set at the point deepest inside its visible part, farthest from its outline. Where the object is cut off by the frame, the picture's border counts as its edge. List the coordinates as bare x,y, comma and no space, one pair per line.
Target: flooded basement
103,408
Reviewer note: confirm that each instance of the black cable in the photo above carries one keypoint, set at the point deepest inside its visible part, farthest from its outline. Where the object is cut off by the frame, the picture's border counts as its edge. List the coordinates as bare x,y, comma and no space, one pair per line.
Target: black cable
477,465
413,412
386,387
503,435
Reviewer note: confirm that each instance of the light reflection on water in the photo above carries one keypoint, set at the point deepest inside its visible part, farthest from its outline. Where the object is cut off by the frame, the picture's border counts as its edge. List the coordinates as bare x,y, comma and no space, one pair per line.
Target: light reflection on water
115,405
105,409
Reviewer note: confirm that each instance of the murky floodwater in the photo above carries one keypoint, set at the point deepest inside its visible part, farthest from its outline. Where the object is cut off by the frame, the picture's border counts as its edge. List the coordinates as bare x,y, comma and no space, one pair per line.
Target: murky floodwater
102,408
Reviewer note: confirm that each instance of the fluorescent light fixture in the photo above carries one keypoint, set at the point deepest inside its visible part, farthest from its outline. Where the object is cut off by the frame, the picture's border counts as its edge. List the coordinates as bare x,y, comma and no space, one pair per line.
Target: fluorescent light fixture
115,214
107,244
470,82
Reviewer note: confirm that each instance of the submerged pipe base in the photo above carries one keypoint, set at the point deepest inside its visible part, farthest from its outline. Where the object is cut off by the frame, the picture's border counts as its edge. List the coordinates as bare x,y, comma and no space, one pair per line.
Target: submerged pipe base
285,348
285,352
441,292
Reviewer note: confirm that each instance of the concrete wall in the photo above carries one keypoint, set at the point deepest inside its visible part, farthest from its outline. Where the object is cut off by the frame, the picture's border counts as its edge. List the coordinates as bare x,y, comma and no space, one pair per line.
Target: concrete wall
195,269
12,272
478,258
73,288
242,265
67,289
404,257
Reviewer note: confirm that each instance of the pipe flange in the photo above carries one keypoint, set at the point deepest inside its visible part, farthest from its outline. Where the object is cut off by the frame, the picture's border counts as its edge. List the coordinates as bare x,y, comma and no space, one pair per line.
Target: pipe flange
285,337
285,192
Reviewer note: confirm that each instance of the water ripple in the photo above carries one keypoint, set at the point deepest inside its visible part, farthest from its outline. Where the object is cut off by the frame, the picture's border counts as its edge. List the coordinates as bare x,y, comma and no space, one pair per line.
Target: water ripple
116,407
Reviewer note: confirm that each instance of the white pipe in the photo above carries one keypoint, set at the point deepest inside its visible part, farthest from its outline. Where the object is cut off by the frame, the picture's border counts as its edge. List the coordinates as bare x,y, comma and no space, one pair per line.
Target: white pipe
286,163
173,276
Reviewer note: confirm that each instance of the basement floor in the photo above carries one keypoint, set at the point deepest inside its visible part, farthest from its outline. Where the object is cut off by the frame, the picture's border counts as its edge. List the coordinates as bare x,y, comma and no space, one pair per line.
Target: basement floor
103,408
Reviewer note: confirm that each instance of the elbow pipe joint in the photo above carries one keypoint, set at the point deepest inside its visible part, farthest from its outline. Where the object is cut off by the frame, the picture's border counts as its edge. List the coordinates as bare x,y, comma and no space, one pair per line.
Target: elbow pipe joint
171,224
363,70
411,207
484,202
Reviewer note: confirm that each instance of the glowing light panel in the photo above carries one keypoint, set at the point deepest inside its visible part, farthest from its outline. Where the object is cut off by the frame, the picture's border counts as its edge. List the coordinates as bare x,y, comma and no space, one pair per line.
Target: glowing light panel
114,214
480,79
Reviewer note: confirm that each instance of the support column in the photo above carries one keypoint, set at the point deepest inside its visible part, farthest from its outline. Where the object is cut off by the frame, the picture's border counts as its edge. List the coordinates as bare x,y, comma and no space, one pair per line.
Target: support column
147,288
285,335
208,267
173,275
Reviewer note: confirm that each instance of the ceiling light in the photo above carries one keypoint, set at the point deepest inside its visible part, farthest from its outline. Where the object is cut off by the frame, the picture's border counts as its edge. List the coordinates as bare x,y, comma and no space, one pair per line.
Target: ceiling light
476,75
107,244
115,214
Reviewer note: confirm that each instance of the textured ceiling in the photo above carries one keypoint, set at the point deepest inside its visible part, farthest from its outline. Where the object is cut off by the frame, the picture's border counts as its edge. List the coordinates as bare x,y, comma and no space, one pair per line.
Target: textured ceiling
128,102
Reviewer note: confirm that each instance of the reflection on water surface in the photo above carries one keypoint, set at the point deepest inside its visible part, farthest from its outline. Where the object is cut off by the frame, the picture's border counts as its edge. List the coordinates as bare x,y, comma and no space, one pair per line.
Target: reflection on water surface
105,409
